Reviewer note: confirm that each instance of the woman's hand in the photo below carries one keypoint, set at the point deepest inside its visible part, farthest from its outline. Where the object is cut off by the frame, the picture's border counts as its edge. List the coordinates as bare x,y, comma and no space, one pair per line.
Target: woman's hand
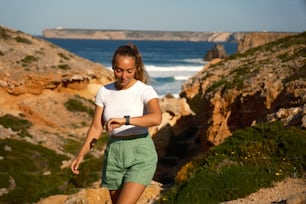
114,123
75,165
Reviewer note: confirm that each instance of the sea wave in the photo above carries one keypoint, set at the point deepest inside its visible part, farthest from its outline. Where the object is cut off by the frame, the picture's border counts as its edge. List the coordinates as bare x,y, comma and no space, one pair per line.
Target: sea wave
169,79
193,60
180,68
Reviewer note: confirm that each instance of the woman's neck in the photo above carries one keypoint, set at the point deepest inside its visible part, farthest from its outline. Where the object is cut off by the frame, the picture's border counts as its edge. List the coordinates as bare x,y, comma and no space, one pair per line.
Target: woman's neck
127,86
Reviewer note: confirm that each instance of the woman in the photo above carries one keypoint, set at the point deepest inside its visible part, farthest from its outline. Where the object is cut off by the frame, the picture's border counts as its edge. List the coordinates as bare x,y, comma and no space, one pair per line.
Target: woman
126,107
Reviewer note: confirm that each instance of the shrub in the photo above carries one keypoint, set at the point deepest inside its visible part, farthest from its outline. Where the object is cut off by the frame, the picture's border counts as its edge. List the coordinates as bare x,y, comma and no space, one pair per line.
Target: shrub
15,123
63,56
3,33
250,159
27,163
28,59
76,105
23,40
64,66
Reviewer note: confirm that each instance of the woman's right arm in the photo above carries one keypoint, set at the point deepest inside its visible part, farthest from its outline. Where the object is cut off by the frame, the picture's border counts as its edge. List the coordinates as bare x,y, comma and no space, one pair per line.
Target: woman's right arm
93,133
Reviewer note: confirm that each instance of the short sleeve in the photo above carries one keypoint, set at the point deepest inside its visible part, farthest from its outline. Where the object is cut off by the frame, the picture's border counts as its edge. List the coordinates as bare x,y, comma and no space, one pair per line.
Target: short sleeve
149,94
99,98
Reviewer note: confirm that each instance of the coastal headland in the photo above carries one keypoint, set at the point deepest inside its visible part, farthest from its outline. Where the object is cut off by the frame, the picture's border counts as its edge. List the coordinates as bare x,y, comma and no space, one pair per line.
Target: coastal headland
141,35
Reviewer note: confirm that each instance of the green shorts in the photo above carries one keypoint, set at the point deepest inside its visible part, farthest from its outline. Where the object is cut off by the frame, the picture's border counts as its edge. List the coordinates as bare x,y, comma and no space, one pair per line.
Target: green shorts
129,160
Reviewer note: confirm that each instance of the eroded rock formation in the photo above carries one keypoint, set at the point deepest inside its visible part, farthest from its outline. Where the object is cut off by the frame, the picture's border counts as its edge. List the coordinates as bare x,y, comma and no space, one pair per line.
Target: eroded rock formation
263,84
30,65
254,39
217,51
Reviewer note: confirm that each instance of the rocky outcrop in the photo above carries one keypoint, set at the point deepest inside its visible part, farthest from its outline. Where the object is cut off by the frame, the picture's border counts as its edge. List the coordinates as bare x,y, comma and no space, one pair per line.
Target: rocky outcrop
217,51
254,39
142,35
125,34
30,65
100,195
266,83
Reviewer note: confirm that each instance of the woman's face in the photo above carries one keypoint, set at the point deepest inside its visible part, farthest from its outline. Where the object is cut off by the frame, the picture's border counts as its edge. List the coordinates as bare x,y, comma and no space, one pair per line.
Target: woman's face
124,71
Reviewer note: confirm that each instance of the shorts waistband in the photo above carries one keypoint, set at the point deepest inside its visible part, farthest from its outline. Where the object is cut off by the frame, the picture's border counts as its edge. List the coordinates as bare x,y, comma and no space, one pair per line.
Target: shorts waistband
129,137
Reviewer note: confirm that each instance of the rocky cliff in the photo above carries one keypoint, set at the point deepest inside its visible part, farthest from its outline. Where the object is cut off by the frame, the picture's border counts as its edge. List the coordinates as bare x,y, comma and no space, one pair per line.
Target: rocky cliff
30,65
250,40
265,83
36,78
245,40
141,35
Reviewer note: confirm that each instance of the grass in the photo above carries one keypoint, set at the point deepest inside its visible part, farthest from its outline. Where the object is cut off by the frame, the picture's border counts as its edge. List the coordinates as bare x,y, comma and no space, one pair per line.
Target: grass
250,159
3,33
76,105
63,56
296,75
28,60
250,66
23,40
64,66
16,124
72,146
27,163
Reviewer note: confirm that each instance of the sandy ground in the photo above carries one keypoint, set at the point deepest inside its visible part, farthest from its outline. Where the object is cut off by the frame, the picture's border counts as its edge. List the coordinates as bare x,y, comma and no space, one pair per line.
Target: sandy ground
289,191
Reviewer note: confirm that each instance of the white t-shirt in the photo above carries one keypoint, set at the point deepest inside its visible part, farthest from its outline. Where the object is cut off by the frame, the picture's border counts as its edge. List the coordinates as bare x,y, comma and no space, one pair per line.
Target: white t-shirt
131,101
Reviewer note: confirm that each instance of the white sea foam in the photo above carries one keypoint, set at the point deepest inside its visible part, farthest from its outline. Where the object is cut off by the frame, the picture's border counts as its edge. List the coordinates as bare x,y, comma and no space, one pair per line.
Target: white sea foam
193,60
181,78
181,68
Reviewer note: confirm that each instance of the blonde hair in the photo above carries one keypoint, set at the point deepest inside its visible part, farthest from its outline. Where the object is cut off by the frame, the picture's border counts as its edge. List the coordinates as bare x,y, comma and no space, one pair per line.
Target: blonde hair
131,50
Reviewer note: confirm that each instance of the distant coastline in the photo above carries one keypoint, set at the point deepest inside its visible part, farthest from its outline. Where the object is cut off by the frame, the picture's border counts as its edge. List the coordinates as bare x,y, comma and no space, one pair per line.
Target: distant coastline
68,33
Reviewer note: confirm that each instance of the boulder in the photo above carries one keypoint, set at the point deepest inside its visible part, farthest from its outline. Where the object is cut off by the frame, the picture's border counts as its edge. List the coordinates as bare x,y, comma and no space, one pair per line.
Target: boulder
217,51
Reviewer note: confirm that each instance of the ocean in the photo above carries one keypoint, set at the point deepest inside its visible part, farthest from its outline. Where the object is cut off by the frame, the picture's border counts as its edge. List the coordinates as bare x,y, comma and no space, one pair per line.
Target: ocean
169,63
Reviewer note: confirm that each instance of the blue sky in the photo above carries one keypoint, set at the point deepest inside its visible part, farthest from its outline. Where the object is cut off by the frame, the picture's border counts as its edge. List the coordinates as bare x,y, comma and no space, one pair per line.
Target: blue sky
32,16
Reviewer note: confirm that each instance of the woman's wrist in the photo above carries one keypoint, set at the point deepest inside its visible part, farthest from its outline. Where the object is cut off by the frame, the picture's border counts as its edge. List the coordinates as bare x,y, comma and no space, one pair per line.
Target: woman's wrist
127,119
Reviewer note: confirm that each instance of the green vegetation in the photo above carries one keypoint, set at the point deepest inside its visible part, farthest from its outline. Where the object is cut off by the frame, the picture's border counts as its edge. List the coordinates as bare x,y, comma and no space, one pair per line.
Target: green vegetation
299,74
63,56
76,105
3,33
29,59
280,44
27,164
64,66
249,65
216,85
23,40
250,159
73,146
17,124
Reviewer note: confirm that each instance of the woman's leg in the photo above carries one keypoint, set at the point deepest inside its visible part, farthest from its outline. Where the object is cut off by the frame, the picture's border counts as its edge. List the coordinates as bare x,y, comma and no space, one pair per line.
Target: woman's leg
114,194
130,193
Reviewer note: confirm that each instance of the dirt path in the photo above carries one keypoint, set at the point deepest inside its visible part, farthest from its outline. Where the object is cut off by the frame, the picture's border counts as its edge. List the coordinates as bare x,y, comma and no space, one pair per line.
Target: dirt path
289,191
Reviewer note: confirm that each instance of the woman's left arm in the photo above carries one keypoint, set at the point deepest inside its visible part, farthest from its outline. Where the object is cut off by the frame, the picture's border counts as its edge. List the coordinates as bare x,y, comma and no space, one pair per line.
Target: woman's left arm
152,118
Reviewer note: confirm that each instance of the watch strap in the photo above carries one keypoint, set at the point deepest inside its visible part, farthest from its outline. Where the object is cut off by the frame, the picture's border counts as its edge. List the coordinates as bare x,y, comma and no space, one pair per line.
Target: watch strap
127,119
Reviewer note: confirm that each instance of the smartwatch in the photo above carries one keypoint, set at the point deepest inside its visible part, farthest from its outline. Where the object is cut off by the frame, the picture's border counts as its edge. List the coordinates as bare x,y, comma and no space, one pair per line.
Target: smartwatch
127,119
